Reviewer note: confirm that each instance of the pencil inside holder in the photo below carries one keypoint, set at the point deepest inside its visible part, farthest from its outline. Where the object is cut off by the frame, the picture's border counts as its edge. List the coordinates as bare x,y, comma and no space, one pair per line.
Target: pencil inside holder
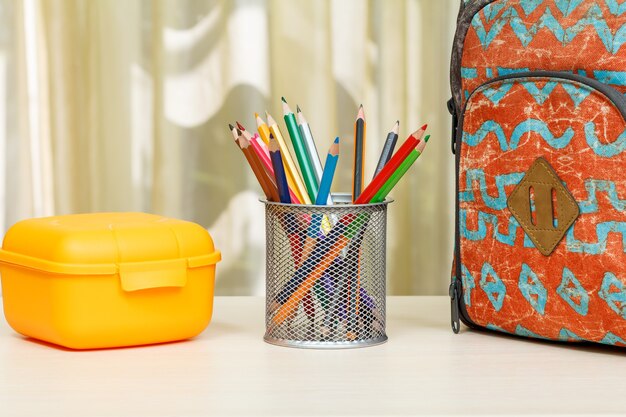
325,275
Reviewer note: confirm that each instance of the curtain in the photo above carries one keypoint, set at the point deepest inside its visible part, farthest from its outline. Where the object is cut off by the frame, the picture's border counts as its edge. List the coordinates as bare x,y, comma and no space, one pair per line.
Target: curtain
124,106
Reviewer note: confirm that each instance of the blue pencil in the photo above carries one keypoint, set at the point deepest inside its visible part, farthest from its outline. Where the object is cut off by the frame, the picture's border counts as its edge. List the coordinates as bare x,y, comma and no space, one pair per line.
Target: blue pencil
329,173
279,170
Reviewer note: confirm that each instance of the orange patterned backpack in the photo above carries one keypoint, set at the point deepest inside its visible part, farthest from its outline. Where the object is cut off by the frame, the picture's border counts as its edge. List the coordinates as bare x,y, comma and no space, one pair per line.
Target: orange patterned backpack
540,141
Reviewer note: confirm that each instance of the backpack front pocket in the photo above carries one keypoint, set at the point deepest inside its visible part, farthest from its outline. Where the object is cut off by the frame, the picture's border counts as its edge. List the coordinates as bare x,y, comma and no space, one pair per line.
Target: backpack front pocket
541,208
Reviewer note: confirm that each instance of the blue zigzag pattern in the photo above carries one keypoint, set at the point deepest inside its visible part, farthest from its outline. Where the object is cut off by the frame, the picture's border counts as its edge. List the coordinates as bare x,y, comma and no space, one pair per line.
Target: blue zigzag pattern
565,6
501,181
602,232
590,205
577,94
540,95
527,126
525,34
481,232
615,8
571,243
614,78
607,150
593,187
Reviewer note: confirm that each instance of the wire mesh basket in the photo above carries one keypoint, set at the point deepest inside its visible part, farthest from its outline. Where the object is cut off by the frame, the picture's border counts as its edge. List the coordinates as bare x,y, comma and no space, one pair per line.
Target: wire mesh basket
325,274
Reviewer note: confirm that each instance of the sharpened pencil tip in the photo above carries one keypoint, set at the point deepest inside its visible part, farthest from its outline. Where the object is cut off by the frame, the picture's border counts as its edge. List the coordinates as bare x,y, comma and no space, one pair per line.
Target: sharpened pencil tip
426,138
238,132
283,99
424,127
256,115
271,136
337,139
396,128
231,127
298,109
241,127
361,114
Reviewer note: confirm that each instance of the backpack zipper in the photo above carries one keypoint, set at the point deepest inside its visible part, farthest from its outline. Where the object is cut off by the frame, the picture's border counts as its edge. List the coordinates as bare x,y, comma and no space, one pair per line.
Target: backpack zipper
457,306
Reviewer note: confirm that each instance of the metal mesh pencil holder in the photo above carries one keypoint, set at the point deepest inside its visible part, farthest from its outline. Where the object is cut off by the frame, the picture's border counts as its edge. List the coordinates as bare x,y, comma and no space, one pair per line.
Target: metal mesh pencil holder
325,274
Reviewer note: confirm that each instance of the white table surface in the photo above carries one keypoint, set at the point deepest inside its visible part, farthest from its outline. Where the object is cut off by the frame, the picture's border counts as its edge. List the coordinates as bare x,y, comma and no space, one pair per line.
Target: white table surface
423,369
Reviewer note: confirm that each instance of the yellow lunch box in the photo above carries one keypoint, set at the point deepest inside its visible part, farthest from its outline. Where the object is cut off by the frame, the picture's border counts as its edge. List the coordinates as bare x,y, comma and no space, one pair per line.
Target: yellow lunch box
105,280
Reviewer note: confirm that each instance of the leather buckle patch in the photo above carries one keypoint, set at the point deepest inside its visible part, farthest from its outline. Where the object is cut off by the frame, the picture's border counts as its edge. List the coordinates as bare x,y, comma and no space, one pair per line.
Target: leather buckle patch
543,206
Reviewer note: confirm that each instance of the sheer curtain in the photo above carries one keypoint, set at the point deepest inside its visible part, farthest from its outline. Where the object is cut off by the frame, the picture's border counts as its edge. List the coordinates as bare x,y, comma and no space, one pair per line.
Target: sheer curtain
119,106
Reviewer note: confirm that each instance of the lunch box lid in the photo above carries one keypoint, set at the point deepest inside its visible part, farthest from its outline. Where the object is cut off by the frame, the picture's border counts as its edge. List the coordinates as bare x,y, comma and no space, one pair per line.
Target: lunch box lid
146,250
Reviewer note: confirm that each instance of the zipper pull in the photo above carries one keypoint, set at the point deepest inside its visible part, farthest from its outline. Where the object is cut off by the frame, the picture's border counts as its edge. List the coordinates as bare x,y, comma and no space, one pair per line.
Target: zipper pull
455,121
454,305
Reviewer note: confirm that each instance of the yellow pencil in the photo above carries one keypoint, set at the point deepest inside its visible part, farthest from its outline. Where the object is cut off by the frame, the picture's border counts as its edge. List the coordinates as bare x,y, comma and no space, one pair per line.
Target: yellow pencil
264,131
290,166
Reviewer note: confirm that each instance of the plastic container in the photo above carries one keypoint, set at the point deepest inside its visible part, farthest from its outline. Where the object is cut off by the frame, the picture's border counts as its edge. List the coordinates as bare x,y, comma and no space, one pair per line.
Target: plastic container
108,279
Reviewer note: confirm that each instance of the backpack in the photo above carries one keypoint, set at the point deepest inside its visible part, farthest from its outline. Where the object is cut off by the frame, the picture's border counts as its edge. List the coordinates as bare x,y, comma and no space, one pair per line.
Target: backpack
539,136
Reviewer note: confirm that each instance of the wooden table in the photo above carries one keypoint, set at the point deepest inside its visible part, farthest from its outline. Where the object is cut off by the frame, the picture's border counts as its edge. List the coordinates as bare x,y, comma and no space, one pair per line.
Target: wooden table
228,370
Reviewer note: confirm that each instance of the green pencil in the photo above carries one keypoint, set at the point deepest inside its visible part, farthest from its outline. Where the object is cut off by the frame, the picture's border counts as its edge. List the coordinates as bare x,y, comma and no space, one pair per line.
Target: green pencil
402,169
308,173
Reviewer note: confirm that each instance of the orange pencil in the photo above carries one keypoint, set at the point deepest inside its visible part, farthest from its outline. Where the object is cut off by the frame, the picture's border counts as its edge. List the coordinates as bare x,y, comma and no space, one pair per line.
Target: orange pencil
318,262
286,310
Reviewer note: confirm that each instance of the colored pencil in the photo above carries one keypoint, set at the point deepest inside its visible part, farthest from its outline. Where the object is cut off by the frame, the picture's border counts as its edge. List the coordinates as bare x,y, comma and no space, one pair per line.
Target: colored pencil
336,271
264,155
390,144
261,155
279,171
309,306
311,150
352,281
309,263
233,131
359,154
407,147
261,144
312,235
322,198
264,133
327,252
267,184
264,130
402,169
290,166
299,148
328,174
267,164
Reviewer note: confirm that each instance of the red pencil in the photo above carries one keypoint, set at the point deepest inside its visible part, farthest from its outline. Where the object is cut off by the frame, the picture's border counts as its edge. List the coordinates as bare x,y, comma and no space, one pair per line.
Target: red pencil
396,160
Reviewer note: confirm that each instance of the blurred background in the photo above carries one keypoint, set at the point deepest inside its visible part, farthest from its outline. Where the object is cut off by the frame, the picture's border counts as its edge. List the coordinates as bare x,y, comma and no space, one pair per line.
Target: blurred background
115,105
